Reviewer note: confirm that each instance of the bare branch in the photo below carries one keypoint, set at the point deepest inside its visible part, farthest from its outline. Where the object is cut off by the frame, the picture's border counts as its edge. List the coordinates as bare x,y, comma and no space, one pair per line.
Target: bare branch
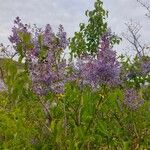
146,6
7,51
133,37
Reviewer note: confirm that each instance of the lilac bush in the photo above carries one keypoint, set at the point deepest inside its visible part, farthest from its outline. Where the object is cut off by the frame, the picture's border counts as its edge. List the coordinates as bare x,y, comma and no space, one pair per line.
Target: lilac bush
52,103
45,65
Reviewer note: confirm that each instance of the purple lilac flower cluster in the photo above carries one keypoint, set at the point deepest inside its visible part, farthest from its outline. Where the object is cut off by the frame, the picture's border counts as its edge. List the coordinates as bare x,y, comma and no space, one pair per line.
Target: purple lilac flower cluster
18,28
47,73
133,99
48,76
145,67
104,69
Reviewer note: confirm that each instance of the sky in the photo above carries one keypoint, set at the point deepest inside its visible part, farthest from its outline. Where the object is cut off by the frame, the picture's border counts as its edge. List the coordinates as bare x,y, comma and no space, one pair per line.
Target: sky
70,13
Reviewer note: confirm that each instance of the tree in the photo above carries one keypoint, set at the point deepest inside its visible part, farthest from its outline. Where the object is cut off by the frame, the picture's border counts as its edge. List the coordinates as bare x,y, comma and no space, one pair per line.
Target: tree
133,37
86,41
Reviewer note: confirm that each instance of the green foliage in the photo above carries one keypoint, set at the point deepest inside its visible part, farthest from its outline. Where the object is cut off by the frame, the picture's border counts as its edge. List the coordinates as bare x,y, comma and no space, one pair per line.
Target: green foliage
87,39
81,118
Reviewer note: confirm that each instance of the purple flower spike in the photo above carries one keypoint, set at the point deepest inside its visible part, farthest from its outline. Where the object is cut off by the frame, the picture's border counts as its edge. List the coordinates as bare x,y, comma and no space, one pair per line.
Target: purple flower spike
43,57
105,69
63,42
145,67
133,99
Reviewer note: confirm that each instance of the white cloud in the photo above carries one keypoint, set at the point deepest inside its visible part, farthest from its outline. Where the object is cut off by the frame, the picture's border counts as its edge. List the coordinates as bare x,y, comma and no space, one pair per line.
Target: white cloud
69,13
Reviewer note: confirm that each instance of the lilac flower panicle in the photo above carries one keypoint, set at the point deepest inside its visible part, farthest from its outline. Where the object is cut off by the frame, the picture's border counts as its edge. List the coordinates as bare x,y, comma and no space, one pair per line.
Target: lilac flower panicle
62,35
46,78
48,36
18,28
145,67
105,69
47,73
132,99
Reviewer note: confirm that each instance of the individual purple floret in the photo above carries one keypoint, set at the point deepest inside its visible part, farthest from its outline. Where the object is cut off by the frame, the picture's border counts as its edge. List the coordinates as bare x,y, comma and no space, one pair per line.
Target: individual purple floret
132,99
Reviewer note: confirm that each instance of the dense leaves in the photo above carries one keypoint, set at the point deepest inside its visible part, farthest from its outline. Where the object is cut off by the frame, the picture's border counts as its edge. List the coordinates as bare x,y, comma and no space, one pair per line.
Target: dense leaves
86,41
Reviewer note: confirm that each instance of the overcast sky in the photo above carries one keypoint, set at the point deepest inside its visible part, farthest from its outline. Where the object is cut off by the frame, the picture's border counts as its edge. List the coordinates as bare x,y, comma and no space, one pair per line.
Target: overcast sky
70,13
